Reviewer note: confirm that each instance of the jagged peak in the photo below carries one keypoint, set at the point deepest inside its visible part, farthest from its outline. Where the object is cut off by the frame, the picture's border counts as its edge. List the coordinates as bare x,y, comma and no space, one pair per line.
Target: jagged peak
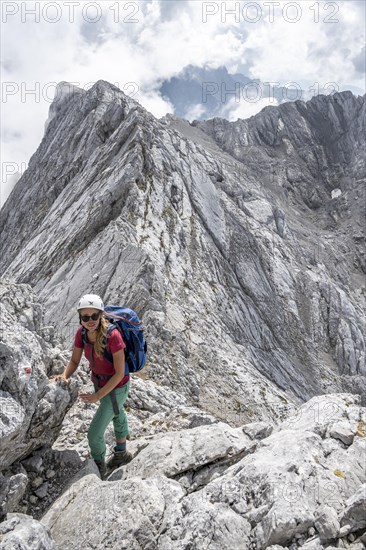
107,91
64,89
327,99
102,89
277,110
101,92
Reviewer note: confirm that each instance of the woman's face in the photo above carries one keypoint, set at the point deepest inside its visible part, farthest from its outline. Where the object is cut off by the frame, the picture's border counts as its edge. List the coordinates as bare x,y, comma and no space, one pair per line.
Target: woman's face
90,318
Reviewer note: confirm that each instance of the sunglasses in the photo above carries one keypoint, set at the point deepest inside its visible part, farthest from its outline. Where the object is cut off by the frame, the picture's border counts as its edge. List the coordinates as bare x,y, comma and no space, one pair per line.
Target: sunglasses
93,317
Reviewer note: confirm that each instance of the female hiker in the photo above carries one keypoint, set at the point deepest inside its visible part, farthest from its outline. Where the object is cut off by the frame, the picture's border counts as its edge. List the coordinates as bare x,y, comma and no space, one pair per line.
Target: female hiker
111,380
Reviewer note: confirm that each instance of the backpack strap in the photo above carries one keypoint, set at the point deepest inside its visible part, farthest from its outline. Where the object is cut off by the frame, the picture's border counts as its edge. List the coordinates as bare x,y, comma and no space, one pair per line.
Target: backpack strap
98,377
107,354
112,393
83,336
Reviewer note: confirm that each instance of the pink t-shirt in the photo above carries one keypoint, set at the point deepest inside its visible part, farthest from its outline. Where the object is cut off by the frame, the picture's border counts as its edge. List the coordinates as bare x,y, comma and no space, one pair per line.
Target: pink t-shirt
101,364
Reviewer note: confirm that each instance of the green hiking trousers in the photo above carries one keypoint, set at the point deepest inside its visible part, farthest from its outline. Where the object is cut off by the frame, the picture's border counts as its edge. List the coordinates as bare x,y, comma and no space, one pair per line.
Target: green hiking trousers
103,417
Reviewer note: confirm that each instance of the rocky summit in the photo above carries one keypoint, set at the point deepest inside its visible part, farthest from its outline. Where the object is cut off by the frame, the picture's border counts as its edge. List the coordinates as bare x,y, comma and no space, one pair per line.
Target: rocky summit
240,245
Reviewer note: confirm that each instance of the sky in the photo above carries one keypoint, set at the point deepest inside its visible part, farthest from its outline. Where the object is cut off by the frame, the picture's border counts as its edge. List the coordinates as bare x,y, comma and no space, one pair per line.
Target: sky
318,46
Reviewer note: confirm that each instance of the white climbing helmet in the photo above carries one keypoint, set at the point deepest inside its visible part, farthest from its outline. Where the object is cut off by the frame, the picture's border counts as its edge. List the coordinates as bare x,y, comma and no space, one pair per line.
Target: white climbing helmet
91,300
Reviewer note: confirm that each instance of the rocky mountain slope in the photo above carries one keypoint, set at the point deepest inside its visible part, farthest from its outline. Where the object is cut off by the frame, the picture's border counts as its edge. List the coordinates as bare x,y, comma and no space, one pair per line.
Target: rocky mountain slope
242,488
194,481
31,409
223,236
215,486
240,246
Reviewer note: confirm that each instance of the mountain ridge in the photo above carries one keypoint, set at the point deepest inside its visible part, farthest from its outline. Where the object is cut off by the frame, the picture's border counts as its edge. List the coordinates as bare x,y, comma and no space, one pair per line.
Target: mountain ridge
206,247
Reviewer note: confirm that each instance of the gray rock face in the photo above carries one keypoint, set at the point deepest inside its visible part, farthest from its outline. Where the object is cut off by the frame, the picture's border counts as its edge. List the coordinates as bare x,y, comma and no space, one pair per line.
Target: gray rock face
255,486
355,513
344,432
233,243
257,430
22,531
12,491
211,487
32,409
222,236
327,524
137,525
321,140
204,451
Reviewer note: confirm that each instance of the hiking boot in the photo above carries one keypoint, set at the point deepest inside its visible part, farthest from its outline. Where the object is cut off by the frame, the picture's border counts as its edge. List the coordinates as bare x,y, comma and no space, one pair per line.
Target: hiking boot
101,467
119,458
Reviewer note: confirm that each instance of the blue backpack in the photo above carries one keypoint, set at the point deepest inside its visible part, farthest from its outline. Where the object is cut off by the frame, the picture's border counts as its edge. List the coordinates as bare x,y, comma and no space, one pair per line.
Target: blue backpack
129,325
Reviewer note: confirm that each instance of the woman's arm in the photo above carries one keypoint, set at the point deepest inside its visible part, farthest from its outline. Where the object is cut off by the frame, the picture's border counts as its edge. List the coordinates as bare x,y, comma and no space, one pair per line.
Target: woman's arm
119,367
71,366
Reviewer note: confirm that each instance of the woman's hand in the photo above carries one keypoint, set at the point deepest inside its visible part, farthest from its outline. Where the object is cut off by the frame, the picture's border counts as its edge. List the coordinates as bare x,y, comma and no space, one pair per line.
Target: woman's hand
72,365
61,378
119,367
89,397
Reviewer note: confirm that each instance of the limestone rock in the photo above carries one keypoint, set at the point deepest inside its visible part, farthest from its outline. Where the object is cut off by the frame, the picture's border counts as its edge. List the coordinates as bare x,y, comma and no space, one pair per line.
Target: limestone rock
327,524
355,512
139,519
343,431
219,487
235,217
41,491
199,452
257,430
33,463
22,531
12,490
233,243
32,407
313,545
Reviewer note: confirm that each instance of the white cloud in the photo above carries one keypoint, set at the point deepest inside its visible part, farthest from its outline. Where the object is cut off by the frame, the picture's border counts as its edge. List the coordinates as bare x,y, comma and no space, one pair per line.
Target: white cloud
317,48
137,45
245,109
194,112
